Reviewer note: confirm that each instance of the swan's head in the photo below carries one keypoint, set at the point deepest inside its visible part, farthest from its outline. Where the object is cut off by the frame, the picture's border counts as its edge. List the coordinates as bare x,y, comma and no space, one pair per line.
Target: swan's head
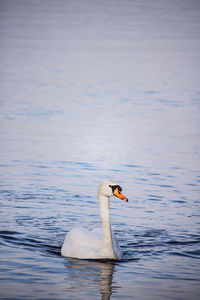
111,188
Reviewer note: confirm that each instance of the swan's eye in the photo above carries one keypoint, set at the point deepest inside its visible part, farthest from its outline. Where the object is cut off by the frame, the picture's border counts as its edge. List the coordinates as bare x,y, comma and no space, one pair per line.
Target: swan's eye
113,187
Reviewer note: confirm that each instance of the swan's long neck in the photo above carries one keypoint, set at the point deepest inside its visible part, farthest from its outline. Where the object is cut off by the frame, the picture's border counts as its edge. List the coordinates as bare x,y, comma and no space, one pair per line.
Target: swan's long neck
107,248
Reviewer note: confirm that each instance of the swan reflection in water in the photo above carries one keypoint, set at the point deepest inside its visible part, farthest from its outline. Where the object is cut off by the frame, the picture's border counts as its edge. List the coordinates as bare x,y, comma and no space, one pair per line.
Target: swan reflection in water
85,277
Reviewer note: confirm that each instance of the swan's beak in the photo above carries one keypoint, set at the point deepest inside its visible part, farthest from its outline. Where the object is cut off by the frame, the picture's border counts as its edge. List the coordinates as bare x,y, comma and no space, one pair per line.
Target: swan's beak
119,194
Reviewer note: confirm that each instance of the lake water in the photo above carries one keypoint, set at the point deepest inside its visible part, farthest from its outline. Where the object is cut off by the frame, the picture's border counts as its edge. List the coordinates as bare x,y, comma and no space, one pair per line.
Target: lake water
94,90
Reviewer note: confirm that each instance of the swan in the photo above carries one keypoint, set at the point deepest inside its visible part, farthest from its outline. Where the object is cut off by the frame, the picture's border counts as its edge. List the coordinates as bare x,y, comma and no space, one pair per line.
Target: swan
98,243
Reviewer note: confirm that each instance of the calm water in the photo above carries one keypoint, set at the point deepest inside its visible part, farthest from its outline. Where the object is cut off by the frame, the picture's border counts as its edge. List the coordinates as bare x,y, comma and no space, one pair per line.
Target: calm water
94,90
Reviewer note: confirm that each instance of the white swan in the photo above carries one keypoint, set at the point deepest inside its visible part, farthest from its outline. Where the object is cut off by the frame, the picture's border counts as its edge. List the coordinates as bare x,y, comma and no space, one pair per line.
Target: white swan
99,243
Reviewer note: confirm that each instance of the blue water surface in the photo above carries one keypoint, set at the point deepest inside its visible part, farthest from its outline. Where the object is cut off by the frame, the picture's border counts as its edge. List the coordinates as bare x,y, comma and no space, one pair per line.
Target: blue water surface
95,90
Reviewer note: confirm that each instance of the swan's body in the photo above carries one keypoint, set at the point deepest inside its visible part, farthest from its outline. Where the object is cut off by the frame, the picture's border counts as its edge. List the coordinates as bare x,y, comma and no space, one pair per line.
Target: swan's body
98,243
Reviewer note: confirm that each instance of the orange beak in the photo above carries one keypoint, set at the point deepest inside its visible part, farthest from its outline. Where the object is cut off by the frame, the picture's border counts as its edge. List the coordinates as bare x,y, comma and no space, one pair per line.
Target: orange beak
119,194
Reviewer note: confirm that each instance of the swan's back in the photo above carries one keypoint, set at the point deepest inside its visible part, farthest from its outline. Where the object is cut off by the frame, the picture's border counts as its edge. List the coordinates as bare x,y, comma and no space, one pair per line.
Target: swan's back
86,244
82,243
